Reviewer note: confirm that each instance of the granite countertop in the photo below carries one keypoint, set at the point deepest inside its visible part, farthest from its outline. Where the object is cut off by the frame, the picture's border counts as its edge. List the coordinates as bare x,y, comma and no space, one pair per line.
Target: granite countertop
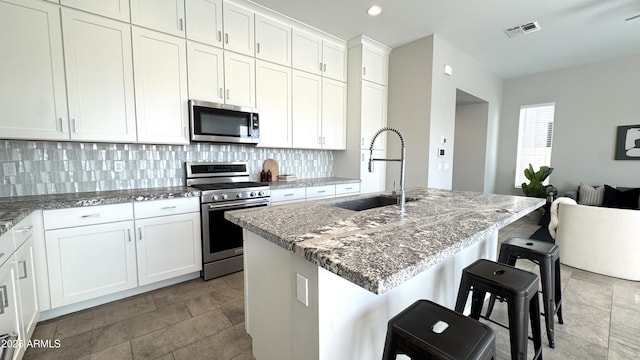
381,248
14,209
311,182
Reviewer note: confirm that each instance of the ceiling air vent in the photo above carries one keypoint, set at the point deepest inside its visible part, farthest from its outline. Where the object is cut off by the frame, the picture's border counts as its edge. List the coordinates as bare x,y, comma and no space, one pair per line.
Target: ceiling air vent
522,29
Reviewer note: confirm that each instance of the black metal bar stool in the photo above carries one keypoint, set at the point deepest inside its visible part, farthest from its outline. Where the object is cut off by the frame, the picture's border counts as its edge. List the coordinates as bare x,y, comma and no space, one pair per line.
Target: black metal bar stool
426,330
518,287
547,256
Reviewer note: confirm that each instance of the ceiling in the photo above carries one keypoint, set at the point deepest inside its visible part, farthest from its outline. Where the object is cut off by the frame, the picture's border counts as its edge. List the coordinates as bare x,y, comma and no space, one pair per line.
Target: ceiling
573,31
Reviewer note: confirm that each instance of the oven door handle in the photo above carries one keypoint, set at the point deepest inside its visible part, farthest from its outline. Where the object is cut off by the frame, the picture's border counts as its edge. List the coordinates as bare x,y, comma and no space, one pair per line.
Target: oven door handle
238,204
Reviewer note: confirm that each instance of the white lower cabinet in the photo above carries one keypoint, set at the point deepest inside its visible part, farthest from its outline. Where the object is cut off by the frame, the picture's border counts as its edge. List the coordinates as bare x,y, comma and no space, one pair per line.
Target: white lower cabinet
100,250
86,262
9,308
26,273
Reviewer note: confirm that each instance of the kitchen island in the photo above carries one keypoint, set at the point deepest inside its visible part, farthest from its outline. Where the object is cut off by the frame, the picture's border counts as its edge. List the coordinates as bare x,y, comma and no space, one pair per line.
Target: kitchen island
321,282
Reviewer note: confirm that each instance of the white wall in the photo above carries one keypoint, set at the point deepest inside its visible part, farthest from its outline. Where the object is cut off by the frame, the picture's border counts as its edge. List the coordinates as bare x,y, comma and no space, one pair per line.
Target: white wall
422,102
470,137
591,101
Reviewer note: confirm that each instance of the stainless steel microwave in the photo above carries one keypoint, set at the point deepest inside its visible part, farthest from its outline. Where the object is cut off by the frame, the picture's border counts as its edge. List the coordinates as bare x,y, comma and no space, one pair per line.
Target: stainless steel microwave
213,122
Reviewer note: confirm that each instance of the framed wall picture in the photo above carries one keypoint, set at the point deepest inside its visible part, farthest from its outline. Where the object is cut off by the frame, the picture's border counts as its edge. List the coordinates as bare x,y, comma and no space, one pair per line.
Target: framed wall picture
628,143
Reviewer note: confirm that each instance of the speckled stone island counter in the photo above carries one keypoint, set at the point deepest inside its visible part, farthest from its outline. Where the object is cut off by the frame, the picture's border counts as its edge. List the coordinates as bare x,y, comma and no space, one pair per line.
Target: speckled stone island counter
380,248
14,209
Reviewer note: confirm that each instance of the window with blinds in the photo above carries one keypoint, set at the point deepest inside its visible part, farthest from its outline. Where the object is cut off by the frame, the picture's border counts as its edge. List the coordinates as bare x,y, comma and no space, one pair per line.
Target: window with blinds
535,136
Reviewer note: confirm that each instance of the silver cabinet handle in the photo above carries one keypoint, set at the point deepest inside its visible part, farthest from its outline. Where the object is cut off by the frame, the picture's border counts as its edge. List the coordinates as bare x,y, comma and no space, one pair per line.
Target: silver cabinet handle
4,299
322,191
257,48
181,24
75,125
129,234
226,38
324,67
24,267
186,132
220,92
140,233
364,70
61,120
349,188
288,194
219,35
24,229
1,255
228,94
90,216
320,67
167,207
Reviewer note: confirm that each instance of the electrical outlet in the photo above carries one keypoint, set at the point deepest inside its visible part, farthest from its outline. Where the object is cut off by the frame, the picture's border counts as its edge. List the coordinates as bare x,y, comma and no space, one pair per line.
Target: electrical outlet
9,169
302,289
118,165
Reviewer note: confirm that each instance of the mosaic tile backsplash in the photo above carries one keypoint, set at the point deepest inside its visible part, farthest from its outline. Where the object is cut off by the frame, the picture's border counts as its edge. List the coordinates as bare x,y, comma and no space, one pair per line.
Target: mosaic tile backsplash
66,167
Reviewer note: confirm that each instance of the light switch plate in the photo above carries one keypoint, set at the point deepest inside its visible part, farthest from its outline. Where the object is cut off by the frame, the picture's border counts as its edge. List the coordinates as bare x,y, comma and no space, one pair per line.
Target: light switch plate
9,169
302,289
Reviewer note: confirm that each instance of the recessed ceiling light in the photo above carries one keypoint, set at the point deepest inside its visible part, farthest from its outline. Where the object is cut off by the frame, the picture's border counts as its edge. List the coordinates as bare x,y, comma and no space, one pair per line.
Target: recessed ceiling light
374,10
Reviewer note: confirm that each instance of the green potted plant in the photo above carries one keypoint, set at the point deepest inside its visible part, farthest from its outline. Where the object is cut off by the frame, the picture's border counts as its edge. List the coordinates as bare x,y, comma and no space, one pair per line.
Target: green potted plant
536,178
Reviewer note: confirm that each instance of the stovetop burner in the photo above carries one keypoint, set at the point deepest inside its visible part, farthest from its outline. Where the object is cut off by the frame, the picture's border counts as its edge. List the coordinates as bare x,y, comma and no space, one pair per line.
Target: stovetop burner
221,182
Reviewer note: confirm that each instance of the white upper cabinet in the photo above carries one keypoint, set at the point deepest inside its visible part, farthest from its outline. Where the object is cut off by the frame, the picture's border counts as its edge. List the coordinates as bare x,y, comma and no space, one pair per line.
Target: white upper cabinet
273,41
317,56
206,72
116,9
334,115
162,15
307,110
273,99
374,114
238,29
99,77
204,21
374,65
307,52
160,74
32,94
240,79
334,61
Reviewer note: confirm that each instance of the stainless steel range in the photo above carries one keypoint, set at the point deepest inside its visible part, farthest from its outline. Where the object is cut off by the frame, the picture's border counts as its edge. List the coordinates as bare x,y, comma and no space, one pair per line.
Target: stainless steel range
224,186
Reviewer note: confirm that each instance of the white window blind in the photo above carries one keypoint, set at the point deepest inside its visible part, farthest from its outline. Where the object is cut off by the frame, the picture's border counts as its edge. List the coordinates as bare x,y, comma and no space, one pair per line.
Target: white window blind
535,136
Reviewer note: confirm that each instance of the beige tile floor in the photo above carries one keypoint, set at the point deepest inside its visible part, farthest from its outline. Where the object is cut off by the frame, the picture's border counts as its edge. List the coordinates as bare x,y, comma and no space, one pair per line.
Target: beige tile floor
205,320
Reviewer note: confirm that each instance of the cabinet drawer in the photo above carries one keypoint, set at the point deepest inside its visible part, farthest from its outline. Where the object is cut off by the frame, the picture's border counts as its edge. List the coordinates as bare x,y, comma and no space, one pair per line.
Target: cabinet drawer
287,194
23,230
321,191
351,188
63,218
7,246
146,209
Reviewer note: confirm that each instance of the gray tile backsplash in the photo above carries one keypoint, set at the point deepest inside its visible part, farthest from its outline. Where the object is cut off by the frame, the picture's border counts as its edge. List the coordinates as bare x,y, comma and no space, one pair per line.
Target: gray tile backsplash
65,167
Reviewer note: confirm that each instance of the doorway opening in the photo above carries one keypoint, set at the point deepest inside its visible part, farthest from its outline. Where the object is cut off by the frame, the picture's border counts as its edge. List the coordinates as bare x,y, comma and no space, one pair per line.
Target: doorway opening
470,142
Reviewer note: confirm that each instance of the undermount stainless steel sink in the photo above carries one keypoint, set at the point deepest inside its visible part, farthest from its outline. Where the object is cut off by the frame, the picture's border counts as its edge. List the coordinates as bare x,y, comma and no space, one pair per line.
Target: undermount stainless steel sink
367,203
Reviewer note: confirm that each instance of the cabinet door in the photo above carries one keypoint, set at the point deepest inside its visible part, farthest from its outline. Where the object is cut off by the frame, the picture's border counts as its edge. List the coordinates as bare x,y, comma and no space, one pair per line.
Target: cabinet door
26,270
334,115
33,95
160,74
374,114
168,246
162,15
99,77
306,100
273,98
372,181
334,61
240,79
206,72
374,65
87,262
117,9
204,21
238,29
307,52
273,41
10,305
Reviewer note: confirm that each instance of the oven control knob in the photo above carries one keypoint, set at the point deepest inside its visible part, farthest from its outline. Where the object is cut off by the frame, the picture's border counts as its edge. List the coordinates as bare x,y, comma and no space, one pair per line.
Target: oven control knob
224,196
239,195
260,193
214,198
252,194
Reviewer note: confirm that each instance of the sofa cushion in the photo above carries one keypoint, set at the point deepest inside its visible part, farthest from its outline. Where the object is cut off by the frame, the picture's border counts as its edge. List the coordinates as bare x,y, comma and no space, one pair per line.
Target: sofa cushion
616,198
590,195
